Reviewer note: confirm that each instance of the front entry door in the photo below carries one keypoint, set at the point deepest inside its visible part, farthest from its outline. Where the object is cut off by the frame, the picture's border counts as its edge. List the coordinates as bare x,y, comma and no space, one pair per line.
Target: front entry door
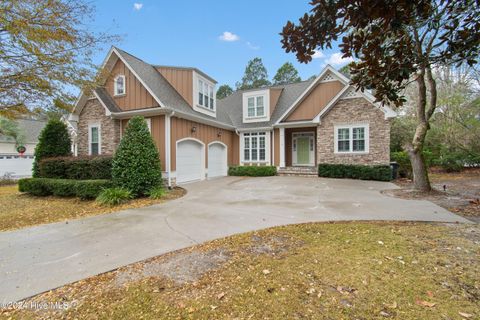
303,149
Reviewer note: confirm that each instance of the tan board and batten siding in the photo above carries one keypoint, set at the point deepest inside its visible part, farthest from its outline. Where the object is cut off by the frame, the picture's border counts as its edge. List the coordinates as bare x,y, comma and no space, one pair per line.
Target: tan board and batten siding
181,80
182,128
136,96
314,103
158,135
274,96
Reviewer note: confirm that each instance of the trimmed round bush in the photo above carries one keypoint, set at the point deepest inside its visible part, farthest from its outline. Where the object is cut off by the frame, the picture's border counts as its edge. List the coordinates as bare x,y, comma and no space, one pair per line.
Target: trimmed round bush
114,196
53,141
136,163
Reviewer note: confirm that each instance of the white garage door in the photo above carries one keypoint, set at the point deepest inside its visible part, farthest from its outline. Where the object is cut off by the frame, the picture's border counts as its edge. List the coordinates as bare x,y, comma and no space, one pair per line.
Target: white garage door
189,161
16,166
217,160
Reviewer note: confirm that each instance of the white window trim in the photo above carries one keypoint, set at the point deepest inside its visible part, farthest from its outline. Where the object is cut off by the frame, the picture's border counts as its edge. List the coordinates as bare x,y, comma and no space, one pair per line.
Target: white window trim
266,105
350,127
267,148
196,106
149,124
90,126
115,88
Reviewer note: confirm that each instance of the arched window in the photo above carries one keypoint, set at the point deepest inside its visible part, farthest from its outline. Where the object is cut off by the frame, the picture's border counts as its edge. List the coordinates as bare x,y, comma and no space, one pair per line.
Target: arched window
119,85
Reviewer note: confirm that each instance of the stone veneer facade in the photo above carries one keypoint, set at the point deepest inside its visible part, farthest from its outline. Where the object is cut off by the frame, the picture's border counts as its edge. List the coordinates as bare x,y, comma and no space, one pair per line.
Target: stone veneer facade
354,111
94,112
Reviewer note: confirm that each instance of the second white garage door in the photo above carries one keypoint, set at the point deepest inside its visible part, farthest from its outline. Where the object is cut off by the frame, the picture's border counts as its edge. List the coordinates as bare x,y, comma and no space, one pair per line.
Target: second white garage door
217,160
189,161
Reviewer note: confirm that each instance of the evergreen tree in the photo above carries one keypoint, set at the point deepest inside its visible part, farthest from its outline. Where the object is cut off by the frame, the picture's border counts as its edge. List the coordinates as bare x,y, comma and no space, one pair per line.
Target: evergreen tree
255,76
224,91
54,141
286,74
136,163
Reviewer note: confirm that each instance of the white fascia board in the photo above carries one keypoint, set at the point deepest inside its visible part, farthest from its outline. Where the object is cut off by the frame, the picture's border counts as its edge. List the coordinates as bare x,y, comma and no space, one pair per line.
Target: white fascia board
344,80
212,122
141,112
139,79
296,124
255,129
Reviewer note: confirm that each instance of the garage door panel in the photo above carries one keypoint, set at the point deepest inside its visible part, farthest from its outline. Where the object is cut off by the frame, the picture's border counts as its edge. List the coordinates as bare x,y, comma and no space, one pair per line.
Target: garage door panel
189,161
217,160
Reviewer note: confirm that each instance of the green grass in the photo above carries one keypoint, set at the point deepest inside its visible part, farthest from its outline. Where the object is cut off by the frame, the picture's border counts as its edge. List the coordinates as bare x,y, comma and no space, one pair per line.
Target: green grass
315,271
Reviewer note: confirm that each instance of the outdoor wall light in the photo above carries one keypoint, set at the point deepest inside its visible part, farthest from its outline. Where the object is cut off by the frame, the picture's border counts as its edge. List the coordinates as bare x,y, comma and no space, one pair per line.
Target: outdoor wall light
219,133
194,129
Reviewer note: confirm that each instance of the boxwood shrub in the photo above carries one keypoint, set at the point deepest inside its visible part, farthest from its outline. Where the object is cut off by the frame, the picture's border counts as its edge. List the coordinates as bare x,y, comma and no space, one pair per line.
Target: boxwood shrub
363,172
252,171
84,189
79,168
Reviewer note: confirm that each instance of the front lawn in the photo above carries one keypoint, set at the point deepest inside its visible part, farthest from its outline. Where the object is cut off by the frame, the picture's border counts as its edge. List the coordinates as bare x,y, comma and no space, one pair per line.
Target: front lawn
311,271
22,210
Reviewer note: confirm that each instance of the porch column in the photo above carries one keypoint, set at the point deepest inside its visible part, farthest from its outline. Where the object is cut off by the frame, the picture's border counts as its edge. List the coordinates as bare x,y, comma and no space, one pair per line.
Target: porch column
282,147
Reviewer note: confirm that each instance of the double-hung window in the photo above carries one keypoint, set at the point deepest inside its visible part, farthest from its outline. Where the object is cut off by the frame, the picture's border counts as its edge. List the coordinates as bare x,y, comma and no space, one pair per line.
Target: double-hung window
351,139
255,107
119,85
254,146
205,95
94,139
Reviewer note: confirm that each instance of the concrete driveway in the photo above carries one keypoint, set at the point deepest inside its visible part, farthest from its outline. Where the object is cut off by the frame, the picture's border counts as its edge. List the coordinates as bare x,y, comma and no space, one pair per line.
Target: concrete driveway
37,259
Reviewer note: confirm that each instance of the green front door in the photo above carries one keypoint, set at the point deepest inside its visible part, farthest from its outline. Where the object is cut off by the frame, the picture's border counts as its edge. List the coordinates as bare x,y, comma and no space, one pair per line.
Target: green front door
303,150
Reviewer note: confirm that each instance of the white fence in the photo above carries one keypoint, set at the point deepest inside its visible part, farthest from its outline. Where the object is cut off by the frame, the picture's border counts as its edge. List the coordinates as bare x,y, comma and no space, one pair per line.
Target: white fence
16,166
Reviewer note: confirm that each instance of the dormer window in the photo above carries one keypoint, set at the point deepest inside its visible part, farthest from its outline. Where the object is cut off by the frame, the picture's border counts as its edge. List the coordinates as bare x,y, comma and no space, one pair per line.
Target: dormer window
205,95
256,106
119,85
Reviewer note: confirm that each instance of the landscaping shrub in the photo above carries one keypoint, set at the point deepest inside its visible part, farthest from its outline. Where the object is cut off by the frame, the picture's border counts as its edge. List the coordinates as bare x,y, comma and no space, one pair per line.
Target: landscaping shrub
452,162
114,196
84,189
79,168
136,163
362,172
405,166
252,171
53,141
157,192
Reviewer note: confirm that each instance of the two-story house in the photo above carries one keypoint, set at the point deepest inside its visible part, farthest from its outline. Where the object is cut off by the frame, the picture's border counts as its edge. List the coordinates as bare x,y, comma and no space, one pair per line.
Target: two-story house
323,120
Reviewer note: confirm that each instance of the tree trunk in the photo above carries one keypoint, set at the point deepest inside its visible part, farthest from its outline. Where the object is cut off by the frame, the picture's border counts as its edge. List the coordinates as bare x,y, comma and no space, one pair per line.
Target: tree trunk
419,169
414,149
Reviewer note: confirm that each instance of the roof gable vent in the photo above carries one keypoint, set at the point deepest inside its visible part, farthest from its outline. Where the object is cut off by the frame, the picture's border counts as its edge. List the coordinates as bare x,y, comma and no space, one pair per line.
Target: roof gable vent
328,77
350,94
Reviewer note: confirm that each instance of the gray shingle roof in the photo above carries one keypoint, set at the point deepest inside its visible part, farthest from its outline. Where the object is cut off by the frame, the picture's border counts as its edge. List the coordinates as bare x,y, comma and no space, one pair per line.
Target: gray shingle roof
164,91
30,128
232,105
107,100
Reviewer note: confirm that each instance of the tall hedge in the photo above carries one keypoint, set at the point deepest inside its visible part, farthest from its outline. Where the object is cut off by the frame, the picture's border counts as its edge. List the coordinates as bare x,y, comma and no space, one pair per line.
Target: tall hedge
53,141
136,163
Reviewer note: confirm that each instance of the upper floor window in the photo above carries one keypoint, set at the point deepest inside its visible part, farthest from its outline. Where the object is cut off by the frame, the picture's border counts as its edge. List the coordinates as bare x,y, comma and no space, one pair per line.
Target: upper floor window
256,107
119,85
205,95
351,139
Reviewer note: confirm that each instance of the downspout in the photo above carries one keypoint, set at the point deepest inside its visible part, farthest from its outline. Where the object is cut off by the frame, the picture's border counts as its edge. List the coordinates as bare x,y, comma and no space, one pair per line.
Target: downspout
168,159
239,147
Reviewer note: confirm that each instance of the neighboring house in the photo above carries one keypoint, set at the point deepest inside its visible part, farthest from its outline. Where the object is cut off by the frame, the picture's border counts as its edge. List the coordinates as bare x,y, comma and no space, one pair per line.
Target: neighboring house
289,126
11,162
